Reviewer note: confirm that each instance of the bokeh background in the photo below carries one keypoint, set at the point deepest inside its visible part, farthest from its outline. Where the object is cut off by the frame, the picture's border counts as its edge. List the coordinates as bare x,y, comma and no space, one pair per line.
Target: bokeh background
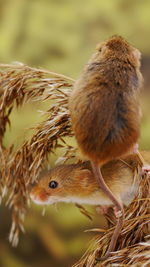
60,35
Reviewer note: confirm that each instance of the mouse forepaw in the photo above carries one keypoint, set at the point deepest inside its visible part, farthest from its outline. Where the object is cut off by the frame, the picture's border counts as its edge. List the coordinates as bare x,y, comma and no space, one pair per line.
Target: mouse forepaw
118,213
146,170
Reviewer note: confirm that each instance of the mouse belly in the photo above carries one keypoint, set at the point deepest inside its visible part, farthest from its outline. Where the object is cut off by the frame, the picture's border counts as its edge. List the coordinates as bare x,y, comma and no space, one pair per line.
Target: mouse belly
128,195
125,196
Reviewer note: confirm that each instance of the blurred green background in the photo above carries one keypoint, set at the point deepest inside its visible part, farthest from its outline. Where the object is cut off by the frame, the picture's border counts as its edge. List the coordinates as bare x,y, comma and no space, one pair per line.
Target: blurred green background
60,35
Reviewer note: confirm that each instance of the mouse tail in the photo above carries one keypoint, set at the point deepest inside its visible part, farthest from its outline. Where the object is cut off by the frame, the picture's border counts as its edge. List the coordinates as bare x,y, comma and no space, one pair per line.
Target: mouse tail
119,211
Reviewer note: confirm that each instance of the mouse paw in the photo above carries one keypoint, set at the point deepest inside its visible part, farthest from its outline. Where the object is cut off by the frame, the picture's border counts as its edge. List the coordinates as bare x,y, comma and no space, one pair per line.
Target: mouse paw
146,170
118,213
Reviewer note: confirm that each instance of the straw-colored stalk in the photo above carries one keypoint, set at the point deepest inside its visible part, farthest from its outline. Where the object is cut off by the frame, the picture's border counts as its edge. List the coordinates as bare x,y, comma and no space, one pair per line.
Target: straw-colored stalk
19,169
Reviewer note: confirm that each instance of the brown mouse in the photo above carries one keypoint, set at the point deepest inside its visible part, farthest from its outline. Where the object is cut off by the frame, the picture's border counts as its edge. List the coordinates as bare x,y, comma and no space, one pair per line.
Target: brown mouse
105,113
76,183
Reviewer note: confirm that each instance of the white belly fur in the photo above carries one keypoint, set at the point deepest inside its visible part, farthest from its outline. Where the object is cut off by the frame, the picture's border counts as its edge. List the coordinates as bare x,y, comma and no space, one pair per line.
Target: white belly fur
126,195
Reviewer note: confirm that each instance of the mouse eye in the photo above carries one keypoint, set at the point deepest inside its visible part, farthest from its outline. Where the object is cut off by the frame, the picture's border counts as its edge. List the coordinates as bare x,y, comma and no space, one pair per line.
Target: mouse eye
53,184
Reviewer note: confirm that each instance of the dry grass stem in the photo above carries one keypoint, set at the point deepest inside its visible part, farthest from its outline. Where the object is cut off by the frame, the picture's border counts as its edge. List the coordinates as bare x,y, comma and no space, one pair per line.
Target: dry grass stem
19,84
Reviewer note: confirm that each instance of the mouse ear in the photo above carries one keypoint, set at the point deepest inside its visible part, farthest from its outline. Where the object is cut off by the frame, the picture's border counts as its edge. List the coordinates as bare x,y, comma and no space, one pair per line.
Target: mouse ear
136,54
83,174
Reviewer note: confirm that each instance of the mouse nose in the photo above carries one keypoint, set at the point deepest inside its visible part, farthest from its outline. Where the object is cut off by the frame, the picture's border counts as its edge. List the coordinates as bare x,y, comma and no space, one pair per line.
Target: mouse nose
38,194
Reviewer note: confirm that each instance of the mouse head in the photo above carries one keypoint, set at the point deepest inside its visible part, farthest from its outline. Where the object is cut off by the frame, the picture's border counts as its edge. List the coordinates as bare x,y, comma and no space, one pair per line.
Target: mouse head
65,183
117,46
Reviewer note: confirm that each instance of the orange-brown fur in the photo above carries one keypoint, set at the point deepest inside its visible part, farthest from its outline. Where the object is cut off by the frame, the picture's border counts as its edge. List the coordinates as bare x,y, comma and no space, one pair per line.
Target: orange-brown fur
78,180
104,104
